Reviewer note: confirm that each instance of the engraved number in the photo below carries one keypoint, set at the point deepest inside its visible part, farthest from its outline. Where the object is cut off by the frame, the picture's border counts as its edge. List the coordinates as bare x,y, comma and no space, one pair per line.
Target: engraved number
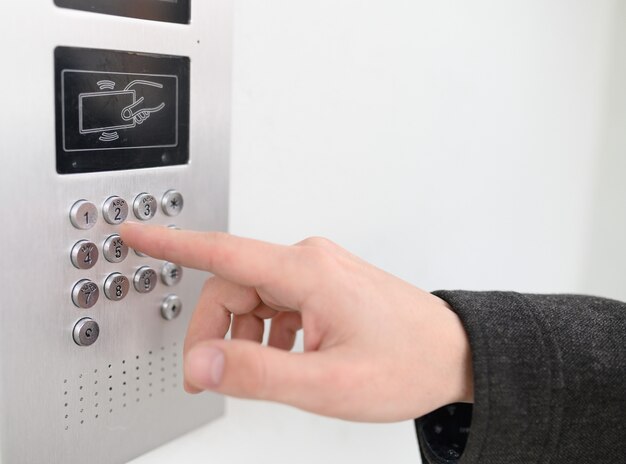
118,212
86,218
87,259
147,283
88,294
147,209
118,291
118,252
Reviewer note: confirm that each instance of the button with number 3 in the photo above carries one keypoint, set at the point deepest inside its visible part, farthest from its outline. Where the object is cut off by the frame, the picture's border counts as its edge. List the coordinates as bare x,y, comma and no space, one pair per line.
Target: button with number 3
145,206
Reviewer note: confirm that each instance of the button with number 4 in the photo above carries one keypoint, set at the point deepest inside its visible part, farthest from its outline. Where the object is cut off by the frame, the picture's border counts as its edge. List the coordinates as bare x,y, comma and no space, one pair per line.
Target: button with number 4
116,287
84,255
114,249
145,206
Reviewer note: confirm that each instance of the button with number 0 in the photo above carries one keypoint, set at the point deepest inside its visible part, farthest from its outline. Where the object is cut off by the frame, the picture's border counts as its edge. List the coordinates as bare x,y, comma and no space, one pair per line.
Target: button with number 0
84,255
116,286
145,206
84,215
85,294
115,210
145,279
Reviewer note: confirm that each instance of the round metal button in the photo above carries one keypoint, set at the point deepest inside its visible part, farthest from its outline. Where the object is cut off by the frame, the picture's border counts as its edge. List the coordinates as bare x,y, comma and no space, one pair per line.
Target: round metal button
84,255
86,332
116,286
172,203
171,274
84,215
171,307
115,210
145,279
114,249
85,294
145,206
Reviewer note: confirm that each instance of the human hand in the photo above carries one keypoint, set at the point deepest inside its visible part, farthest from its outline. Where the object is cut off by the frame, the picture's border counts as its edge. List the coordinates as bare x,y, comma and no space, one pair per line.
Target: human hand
377,349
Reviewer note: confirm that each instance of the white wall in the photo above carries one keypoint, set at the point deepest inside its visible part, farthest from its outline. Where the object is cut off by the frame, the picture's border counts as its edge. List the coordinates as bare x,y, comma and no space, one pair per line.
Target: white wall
458,144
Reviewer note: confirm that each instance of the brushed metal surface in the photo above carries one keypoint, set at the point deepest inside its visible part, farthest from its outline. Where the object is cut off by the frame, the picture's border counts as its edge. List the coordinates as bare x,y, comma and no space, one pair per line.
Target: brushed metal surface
114,400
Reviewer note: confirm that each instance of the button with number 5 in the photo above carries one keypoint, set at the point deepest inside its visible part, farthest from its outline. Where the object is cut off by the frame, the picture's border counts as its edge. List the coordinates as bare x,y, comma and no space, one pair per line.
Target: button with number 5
114,249
145,206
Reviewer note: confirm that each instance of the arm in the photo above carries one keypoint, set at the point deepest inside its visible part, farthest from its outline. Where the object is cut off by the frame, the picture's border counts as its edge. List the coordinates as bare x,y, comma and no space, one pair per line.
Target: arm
549,382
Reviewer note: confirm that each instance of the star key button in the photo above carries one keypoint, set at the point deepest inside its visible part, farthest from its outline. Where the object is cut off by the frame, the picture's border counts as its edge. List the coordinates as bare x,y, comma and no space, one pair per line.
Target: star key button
172,203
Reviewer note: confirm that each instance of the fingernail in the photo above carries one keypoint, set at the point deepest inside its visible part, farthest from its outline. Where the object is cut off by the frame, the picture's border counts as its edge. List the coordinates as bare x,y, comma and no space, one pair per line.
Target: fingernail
204,367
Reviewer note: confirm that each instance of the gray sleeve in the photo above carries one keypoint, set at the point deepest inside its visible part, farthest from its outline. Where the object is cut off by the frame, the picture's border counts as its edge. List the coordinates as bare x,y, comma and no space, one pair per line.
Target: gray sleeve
549,382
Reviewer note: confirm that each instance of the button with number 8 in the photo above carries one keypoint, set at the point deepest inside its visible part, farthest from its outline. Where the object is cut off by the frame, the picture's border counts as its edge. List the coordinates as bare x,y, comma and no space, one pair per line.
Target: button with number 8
116,287
114,249
145,206
145,279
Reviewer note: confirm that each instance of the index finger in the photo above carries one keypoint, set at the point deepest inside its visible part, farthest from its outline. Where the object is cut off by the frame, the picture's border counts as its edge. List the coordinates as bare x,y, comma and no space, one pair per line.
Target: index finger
244,261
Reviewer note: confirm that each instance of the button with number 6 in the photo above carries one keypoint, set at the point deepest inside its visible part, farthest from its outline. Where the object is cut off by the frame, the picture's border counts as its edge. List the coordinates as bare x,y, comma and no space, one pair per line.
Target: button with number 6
116,287
145,206
114,249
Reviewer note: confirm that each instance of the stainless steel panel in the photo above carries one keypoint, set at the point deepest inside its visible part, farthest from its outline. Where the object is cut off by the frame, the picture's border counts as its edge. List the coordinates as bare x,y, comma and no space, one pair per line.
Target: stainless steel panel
109,402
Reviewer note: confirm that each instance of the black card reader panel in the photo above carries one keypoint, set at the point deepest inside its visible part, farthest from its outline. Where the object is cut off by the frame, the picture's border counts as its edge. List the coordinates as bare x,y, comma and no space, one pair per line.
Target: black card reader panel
120,110
172,11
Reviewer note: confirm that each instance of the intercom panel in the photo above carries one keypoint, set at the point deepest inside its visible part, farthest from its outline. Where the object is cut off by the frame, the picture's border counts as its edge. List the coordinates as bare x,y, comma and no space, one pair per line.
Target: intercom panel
105,119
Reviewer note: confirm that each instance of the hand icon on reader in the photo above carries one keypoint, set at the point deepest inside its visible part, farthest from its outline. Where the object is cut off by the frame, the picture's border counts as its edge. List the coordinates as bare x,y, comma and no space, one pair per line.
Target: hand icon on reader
141,114
111,110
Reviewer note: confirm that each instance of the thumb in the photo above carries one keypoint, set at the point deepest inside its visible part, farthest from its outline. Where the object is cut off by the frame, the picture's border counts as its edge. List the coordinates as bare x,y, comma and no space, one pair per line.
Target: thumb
246,369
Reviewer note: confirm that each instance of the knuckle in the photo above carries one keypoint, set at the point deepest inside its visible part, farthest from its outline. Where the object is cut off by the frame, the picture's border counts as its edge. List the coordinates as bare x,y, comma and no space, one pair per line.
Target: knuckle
320,242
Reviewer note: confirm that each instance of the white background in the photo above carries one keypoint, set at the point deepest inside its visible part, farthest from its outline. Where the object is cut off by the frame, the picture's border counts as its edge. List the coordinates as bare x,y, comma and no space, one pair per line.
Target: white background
457,144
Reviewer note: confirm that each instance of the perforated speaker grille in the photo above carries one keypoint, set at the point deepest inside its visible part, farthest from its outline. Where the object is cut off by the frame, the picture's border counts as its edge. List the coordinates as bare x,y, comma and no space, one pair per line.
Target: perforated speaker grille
113,388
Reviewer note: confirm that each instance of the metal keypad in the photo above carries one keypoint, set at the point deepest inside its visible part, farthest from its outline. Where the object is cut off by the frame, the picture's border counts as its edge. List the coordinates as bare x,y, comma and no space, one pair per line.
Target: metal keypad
142,279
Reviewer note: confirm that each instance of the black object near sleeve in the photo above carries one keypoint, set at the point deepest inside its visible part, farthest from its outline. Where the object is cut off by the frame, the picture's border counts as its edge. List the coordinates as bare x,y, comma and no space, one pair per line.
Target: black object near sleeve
549,382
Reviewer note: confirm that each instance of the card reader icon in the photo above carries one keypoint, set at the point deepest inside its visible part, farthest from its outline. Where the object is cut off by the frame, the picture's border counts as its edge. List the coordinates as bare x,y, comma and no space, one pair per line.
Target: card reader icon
110,110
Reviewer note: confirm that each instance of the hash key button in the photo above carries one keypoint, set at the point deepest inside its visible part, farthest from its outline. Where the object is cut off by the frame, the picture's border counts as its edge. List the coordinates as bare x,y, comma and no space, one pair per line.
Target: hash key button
171,274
